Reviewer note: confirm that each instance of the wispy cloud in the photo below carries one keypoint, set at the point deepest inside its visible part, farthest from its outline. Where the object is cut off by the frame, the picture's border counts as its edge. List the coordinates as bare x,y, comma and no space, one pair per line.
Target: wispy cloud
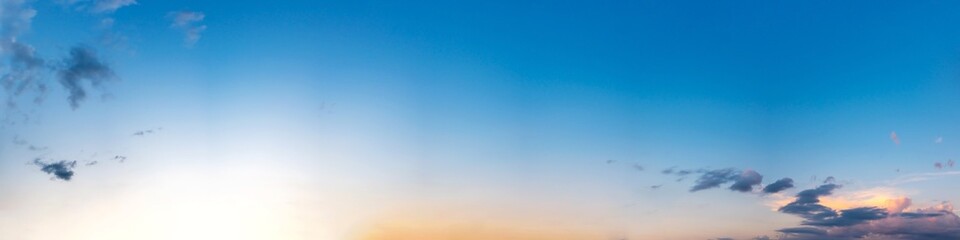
920,177
83,65
109,6
97,6
24,70
714,178
189,23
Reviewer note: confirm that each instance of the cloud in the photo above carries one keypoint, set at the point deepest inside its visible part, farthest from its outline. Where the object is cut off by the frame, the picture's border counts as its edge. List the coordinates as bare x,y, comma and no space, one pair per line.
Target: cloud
849,217
189,23
921,177
821,222
894,138
746,181
810,231
829,179
938,140
897,205
779,185
62,170
806,203
83,64
147,132
938,165
743,181
714,178
109,6
23,68
98,6
638,167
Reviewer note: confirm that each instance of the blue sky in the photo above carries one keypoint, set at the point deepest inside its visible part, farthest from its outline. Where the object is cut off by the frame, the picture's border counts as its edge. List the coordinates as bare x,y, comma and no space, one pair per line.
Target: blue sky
521,120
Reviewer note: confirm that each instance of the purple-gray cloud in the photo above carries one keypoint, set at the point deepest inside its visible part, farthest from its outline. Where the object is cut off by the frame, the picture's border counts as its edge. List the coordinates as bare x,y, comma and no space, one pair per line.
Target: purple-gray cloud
822,222
746,181
779,185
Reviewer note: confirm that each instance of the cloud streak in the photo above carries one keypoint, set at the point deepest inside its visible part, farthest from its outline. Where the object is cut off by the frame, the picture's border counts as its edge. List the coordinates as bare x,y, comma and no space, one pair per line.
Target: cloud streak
189,23
742,181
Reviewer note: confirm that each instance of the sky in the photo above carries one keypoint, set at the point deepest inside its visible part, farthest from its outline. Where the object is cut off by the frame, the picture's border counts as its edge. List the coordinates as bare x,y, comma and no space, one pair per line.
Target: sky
463,120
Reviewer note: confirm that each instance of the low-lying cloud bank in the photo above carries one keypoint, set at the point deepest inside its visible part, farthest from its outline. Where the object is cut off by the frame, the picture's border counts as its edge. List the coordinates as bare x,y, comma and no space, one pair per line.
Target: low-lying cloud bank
822,222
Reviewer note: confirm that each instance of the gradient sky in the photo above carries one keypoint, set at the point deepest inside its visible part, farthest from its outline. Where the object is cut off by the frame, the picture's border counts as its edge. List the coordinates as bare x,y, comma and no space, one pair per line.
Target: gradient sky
531,120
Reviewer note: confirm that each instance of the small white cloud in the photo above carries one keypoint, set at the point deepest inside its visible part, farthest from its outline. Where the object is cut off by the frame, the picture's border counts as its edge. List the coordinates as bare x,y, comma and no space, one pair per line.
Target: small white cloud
189,23
97,6
109,6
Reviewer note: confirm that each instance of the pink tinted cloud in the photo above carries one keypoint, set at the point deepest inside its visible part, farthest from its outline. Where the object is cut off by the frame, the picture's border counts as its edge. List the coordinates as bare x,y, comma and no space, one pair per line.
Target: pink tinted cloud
895,138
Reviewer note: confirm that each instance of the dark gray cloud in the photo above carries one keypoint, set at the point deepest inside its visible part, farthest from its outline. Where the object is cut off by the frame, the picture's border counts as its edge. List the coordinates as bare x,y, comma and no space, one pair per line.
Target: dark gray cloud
83,65
714,178
62,170
779,185
849,217
746,180
806,204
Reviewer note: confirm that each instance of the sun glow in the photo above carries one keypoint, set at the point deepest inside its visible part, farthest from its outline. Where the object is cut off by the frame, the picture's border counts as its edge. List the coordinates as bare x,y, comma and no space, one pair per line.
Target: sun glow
232,204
